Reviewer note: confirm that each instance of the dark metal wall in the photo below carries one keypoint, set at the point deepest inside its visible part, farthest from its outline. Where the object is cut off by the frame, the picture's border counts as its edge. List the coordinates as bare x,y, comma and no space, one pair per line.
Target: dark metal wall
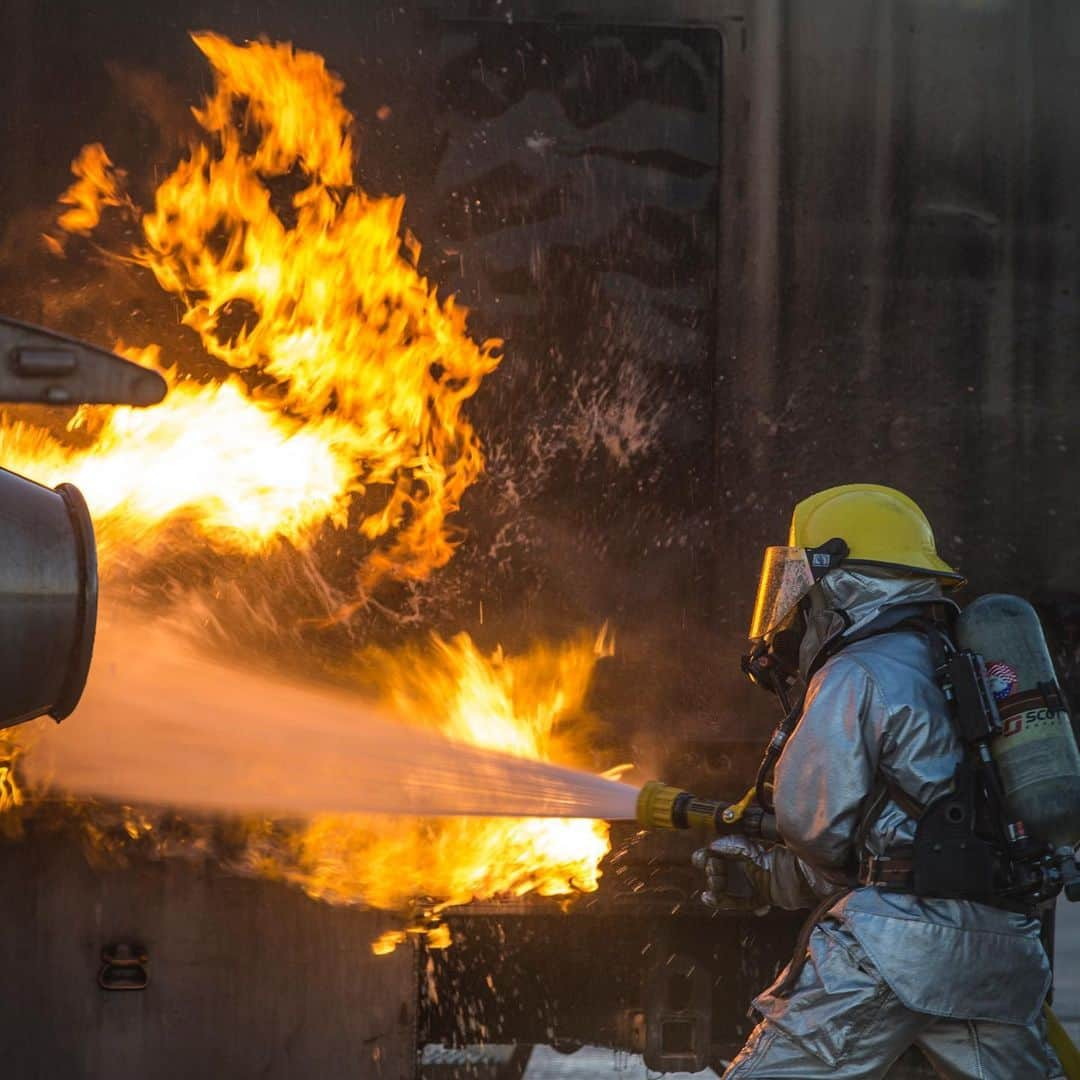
581,206
913,284
245,978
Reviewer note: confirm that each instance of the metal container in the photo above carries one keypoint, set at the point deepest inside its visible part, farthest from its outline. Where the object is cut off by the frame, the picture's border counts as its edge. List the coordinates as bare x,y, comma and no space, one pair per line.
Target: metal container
48,598
173,968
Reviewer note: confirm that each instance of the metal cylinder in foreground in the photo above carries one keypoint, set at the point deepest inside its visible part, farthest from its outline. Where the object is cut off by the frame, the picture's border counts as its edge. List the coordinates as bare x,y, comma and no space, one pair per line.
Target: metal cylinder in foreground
48,598
1036,752
661,806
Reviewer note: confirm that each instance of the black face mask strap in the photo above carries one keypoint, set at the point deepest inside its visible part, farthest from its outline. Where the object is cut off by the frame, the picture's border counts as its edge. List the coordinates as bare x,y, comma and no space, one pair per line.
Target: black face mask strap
768,671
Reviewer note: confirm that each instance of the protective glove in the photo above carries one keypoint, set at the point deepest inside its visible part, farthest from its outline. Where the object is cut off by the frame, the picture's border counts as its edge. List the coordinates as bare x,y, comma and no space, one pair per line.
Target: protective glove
737,874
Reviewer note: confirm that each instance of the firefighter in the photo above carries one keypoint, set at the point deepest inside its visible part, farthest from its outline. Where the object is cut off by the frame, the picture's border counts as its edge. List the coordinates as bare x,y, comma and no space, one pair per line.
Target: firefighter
878,968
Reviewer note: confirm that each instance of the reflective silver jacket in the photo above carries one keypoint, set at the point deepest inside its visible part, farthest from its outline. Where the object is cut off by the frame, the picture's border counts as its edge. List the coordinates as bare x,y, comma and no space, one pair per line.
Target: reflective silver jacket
874,710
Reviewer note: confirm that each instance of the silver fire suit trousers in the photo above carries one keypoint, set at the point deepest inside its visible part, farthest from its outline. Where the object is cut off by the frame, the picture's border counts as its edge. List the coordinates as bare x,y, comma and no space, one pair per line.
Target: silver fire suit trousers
841,1020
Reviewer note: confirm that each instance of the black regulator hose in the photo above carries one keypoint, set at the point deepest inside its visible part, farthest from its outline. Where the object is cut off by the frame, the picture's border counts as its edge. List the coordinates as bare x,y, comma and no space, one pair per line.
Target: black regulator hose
764,669
763,780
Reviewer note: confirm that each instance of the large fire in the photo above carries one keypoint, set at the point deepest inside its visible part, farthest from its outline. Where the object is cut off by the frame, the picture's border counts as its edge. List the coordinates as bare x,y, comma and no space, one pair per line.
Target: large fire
240,470
356,371
348,379
519,705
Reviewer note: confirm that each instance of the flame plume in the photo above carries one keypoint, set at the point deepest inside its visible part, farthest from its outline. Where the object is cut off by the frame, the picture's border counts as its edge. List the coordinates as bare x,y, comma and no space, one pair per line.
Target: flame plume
348,379
520,705
238,470
367,368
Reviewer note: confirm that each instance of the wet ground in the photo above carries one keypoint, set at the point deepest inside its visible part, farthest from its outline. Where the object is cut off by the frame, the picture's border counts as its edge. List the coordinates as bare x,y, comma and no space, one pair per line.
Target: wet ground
592,1062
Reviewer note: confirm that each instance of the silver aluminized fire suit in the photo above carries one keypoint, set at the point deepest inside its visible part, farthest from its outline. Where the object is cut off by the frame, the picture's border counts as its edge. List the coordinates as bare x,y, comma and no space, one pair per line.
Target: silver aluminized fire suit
965,981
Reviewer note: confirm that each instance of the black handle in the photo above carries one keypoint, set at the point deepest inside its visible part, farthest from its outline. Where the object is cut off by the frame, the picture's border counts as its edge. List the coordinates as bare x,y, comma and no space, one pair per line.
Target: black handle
124,966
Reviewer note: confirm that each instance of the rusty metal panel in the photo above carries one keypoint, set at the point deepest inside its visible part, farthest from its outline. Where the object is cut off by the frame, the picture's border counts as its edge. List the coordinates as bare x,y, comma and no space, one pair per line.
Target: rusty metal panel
244,978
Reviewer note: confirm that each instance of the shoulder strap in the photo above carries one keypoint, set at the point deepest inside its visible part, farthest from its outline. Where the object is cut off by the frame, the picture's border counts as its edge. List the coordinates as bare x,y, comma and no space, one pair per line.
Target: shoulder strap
908,803
885,790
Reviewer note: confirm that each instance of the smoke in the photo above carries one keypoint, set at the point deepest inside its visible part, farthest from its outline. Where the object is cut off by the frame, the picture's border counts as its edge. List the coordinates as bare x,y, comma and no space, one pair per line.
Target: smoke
160,723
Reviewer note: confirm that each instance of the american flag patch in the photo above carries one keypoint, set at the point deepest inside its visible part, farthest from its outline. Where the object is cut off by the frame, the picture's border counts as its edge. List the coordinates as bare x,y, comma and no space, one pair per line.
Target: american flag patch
1002,679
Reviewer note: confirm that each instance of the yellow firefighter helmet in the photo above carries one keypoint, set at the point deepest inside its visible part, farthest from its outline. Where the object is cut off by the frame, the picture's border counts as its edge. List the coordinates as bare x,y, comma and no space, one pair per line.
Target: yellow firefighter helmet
879,526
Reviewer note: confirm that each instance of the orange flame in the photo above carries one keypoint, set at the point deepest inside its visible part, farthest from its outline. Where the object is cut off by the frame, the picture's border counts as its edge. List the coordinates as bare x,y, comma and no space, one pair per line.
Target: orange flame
239,470
363,373
521,705
97,185
368,368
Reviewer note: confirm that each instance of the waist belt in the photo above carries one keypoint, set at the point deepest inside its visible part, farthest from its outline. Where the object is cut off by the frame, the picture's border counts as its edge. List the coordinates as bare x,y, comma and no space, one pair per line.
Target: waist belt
897,874
893,874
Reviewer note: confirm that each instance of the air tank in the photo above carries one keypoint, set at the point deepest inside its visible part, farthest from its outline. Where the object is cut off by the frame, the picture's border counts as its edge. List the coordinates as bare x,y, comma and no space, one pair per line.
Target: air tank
1036,752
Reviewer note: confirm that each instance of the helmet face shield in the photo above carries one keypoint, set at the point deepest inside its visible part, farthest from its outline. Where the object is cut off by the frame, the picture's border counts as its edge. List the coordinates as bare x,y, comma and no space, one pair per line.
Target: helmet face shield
787,575
786,578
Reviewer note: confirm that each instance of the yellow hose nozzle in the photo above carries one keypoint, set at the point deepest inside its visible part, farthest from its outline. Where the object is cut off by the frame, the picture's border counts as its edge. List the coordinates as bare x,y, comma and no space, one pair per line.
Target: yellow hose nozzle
661,806
654,805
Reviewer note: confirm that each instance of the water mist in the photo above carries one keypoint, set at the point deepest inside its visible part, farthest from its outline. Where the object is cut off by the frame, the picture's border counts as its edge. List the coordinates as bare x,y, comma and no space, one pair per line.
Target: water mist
161,723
